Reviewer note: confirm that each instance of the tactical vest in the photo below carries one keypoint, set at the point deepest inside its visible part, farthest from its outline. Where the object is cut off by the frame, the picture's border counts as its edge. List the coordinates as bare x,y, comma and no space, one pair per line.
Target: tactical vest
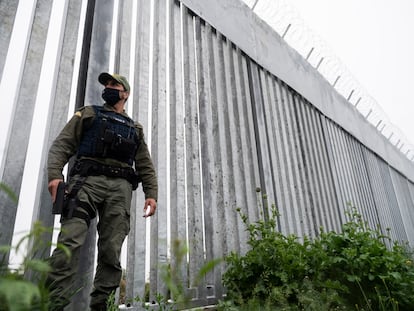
111,135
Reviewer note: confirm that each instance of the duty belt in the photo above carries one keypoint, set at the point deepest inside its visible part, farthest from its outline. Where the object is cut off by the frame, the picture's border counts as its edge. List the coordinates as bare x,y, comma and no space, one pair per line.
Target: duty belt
92,168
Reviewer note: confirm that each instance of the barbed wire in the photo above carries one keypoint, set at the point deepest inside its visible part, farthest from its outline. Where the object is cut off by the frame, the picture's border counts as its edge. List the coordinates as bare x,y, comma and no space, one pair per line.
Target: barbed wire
288,23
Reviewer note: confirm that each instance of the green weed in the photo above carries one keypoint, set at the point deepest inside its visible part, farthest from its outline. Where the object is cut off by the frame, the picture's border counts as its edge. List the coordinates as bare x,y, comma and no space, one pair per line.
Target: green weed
350,270
23,287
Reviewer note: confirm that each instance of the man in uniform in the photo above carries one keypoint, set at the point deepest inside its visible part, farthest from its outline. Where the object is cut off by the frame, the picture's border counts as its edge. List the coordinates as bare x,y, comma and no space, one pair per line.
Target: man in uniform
108,145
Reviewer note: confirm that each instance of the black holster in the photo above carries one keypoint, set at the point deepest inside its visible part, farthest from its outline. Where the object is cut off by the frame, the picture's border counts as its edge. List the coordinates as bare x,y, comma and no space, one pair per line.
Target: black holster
70,205
71,209
66,202
60,200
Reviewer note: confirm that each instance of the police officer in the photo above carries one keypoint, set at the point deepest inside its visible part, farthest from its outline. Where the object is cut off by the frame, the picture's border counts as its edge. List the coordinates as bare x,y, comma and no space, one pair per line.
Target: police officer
108,145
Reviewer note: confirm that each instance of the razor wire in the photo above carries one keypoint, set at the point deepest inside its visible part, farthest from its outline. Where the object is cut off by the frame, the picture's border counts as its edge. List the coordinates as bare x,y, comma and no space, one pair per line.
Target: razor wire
287,22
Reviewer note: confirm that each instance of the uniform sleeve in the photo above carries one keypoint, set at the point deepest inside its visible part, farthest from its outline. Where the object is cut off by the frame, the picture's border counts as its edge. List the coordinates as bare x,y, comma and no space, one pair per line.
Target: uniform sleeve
145,167
66,143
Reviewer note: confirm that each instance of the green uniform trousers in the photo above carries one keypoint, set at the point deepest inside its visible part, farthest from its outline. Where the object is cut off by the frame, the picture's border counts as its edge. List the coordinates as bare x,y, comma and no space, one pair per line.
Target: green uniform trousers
110,199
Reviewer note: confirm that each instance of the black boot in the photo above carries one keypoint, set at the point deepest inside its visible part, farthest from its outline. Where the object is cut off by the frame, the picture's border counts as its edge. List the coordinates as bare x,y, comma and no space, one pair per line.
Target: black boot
99,307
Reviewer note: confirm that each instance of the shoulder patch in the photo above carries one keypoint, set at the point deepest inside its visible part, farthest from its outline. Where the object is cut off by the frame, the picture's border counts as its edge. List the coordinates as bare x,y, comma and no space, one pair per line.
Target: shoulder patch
78,114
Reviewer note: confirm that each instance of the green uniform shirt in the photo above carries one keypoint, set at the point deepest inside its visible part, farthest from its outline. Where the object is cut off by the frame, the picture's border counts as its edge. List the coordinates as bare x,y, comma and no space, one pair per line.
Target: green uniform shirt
67,143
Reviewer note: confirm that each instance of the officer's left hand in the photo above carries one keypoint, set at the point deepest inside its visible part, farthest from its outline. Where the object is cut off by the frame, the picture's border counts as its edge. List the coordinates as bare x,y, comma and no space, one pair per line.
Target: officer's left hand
150,204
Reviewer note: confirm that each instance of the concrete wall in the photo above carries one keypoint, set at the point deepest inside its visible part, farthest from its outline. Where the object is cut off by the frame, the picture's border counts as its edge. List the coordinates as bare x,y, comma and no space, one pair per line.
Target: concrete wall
228,109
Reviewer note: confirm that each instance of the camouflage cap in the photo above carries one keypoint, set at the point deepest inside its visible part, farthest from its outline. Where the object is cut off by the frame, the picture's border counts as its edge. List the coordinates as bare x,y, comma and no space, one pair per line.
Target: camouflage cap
104,77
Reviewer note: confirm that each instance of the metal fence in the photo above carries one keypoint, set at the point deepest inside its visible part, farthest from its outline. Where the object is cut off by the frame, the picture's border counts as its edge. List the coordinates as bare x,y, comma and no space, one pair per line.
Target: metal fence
284,19
223,117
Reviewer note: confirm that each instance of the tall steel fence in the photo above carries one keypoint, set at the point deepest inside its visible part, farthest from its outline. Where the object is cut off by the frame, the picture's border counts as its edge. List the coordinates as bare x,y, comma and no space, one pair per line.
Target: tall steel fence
231,113
285,19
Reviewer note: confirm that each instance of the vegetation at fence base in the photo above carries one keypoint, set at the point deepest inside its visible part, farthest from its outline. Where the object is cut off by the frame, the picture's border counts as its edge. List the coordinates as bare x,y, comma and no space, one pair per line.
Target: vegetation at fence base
16,293
23,286
351,270
175,296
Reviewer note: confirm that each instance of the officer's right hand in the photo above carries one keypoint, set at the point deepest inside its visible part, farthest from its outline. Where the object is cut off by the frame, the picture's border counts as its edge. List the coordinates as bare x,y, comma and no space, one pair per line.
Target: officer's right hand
149,207
52,186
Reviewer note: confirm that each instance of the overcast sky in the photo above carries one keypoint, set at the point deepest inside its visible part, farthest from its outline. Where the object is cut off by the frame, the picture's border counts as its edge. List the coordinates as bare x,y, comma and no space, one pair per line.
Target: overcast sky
375,40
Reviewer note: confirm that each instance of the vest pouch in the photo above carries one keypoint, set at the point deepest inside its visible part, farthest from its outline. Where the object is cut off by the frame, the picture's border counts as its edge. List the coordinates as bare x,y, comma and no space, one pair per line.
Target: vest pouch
109,136
105,142
123,148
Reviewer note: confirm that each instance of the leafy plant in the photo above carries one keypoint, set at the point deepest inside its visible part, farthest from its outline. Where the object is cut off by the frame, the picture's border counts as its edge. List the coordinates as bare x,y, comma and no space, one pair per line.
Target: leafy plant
350,270
23,286
10,193
111,303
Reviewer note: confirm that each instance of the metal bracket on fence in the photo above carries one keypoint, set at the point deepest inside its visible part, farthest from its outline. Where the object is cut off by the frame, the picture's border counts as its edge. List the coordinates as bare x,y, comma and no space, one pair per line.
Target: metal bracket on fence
320,62
359,99
254,5
309,54
378,124
350,95
333,85
287,29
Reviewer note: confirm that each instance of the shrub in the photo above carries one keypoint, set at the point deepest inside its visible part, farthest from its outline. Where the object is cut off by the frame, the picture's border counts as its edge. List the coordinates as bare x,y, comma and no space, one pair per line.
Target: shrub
17,293
350,270
23,287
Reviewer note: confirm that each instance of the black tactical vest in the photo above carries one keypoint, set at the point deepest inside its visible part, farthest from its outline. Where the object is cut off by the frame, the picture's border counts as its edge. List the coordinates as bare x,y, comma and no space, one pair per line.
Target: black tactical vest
111,135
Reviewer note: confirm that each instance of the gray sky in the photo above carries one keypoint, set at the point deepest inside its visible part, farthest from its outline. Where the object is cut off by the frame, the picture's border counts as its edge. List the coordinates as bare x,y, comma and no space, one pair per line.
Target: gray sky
374,39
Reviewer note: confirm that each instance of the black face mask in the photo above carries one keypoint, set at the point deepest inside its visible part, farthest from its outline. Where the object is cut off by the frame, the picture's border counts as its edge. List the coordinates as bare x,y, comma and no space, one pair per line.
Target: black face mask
110,96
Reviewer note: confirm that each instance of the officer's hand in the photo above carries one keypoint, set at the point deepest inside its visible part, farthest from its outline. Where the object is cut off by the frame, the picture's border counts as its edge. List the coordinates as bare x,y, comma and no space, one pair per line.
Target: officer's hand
52,186
149,207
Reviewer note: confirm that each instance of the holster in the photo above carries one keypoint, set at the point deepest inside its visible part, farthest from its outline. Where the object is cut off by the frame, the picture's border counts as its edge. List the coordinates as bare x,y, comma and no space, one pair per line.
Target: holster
67,203
69,207
59,204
